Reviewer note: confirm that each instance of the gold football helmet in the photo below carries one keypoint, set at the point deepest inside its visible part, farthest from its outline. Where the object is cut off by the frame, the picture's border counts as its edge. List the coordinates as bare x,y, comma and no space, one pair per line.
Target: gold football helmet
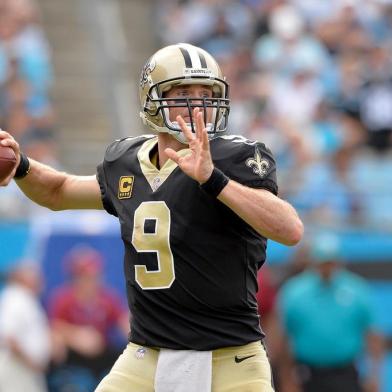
182,64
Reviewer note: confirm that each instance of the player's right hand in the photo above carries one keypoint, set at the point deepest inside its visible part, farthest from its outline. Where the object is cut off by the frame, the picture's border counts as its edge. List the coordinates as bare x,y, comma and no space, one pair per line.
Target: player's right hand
197,165
8,141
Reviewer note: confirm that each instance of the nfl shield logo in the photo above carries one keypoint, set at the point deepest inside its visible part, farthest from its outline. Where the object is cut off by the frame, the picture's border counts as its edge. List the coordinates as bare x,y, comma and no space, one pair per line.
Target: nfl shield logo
140,352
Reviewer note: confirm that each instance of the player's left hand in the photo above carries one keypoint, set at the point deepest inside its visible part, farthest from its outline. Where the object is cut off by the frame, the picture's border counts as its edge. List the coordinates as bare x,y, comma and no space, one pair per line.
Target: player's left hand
198,164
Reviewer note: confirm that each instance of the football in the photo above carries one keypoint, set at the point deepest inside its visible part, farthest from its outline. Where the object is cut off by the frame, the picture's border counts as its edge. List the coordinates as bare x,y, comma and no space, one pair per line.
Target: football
7,161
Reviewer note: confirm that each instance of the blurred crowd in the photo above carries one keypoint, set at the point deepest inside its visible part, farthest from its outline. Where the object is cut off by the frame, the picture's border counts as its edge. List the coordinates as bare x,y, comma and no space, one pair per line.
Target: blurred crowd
26,77
313,81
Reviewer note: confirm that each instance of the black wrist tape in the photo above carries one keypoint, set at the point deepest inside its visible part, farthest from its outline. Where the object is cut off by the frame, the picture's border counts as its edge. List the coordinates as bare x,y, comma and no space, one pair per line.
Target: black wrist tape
214,185
23,168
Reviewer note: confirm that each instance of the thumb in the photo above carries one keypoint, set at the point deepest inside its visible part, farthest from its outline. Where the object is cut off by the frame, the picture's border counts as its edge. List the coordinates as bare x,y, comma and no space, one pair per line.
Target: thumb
172,154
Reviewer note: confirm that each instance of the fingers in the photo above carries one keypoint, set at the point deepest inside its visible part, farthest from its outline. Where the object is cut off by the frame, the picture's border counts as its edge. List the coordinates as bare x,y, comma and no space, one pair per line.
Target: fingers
201,130
187,132
205,140
172,155
10,143
198,116
7,140
4,135
199,122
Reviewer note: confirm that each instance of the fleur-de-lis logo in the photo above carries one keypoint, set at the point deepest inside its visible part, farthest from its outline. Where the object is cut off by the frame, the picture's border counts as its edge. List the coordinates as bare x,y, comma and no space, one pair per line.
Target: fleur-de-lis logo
147,69
258,164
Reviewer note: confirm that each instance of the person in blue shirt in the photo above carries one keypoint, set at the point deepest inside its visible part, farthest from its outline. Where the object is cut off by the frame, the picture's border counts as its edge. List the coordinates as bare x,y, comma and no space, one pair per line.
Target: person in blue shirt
328,319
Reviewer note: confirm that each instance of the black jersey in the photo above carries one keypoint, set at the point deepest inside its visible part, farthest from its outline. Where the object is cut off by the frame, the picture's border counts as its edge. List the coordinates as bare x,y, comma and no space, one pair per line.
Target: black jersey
190,262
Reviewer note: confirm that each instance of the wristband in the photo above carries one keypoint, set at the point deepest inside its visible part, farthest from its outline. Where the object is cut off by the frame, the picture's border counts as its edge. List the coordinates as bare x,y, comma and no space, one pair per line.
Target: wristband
23,168
214,185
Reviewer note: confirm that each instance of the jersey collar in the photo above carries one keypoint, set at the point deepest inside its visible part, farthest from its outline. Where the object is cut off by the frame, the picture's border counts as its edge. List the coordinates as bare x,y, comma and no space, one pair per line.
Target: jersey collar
154,176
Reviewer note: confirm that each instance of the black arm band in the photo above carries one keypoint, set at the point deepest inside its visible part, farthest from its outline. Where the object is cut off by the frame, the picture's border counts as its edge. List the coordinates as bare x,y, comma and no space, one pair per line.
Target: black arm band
23,168
214,185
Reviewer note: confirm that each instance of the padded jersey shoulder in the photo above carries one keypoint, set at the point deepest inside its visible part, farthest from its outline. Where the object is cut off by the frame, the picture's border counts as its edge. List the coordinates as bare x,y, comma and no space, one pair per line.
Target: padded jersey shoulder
237,147
249,162
119,147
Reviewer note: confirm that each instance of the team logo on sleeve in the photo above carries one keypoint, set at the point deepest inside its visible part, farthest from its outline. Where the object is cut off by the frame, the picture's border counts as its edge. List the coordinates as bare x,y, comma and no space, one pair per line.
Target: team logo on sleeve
125,186
258,164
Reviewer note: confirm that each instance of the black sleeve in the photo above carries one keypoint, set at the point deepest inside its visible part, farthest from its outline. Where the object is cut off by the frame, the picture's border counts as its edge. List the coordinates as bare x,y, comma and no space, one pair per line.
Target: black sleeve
253,165
106,201
107,171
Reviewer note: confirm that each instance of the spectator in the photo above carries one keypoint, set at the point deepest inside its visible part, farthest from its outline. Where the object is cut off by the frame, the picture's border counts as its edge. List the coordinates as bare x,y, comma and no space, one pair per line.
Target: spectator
84,314
327,317
24,332
297,97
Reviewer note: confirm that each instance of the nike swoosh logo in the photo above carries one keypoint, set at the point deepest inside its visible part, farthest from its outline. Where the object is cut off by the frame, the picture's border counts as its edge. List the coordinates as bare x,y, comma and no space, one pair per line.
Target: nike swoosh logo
240,359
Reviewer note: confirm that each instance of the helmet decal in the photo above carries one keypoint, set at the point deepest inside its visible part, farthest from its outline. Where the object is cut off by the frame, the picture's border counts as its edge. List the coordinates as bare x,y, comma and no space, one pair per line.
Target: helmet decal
202,60
187,58
146,71
197,72
193,57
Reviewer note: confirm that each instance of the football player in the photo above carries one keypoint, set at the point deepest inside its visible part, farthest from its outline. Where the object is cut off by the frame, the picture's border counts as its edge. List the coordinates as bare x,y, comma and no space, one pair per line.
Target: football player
196,207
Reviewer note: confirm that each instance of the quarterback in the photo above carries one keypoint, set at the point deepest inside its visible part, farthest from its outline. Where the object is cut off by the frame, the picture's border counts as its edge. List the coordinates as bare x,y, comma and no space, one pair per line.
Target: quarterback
196,207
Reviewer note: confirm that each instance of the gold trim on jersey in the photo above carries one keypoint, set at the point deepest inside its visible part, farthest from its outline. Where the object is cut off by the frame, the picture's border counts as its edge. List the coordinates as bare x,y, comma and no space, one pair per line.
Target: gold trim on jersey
153,175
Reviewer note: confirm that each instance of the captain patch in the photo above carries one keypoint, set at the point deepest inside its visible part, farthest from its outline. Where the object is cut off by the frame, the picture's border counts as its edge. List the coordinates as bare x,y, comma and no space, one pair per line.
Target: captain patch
125,186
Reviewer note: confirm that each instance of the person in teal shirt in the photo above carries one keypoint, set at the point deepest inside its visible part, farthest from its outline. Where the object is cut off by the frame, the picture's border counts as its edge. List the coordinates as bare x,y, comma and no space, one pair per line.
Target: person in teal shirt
328,318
